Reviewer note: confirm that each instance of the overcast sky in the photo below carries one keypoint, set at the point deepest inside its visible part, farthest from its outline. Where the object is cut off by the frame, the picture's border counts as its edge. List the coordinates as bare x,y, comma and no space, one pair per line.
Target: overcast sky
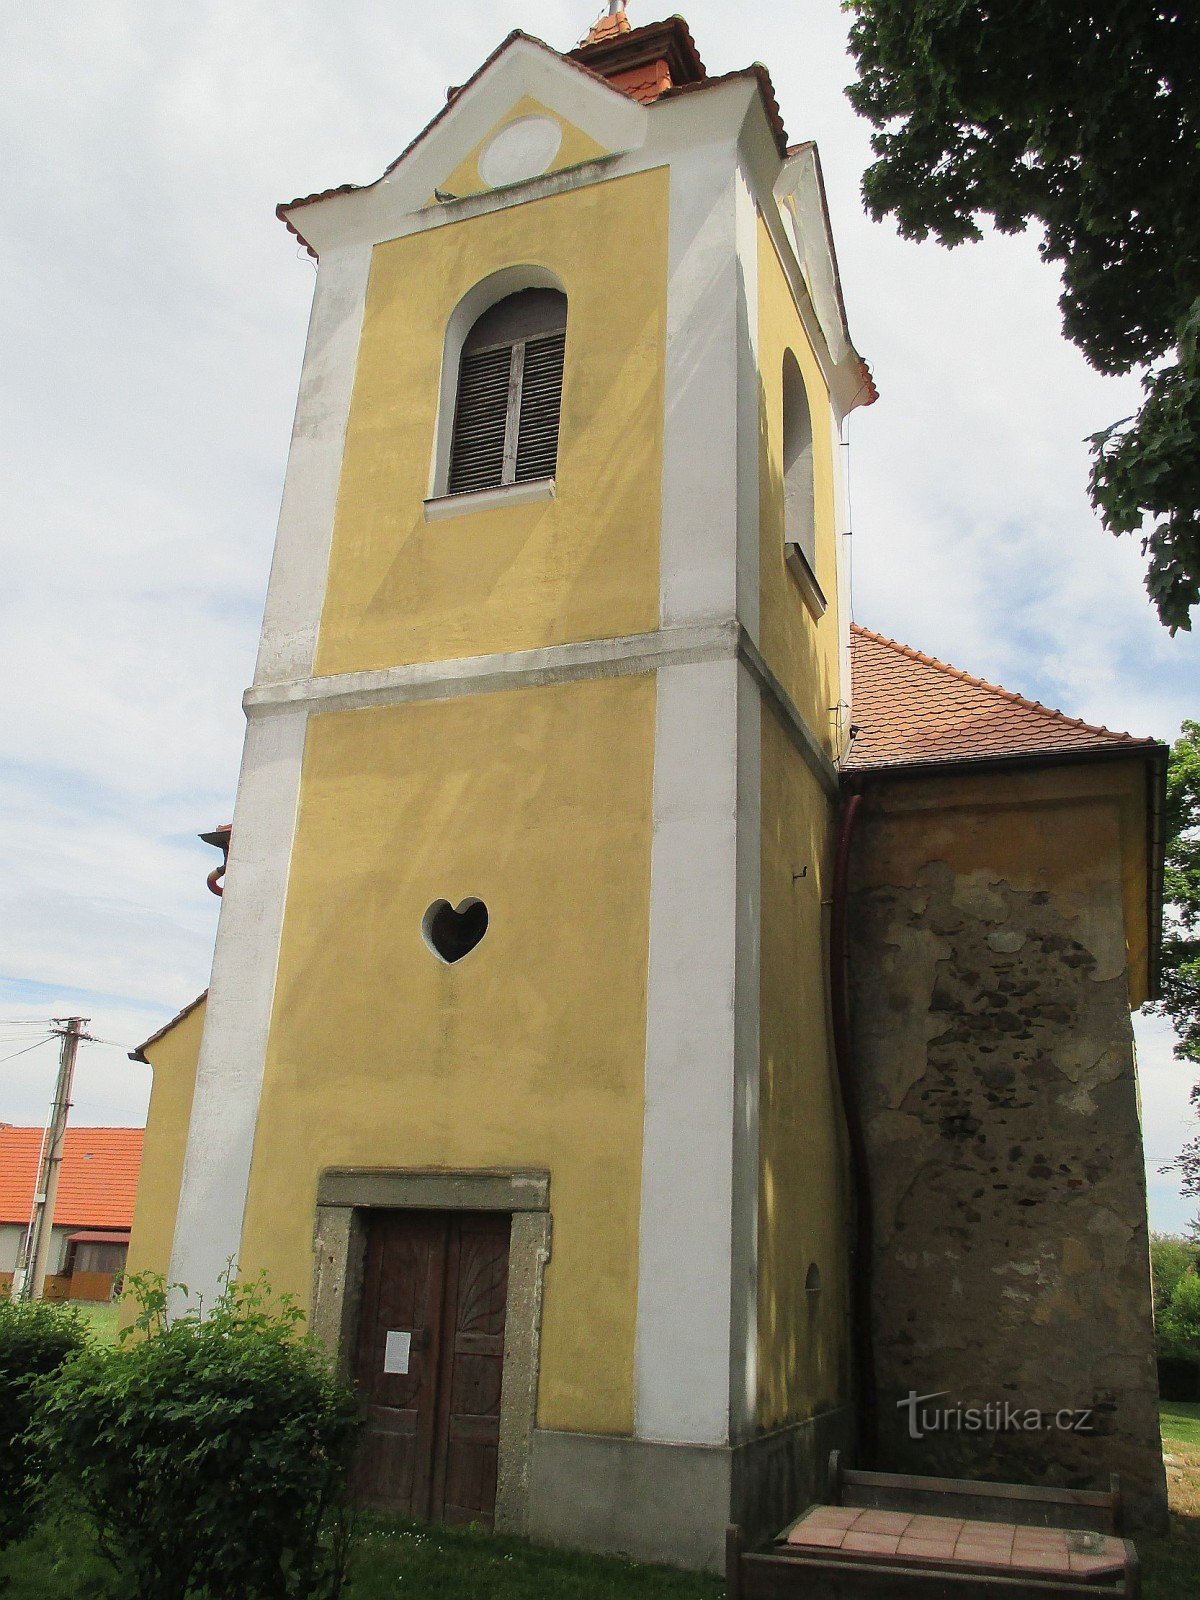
152,321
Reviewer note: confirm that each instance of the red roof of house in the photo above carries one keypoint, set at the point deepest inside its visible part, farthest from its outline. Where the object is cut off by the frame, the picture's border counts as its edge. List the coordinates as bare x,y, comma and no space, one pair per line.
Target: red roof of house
96,1186
912,710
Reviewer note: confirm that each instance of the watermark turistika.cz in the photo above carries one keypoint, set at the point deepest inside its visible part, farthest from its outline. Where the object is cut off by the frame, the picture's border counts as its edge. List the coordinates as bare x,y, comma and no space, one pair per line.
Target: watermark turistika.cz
997,1416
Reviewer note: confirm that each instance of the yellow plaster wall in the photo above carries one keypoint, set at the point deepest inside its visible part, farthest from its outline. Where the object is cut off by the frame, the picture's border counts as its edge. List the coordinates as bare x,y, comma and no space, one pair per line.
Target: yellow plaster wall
173,1060
576,148
802,652
1063,829
804,1197
582,566
530,1052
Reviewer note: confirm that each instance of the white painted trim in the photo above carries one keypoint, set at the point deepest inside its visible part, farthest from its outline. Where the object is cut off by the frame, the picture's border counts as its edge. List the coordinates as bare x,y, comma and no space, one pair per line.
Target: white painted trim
563,663
743,1331
805,579
683,1353
560,663
749,409
299,568
216,1172
700,446
446,506
798,192
526,68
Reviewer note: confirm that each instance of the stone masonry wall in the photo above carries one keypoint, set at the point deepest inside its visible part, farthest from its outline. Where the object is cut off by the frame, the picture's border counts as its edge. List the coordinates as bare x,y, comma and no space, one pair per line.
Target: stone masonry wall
995,1055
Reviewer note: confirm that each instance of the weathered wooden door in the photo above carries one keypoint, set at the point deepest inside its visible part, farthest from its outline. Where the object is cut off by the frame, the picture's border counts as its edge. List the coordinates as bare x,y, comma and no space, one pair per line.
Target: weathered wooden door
430,1363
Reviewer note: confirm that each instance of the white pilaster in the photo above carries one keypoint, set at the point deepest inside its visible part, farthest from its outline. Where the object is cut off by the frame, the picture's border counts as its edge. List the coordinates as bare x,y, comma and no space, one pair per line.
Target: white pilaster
683,1327
743,1337
300,566
229,1075
700,488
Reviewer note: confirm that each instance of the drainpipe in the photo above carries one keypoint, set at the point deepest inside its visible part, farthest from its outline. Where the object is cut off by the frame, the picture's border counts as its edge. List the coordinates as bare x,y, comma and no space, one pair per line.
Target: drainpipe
843,1047
219,839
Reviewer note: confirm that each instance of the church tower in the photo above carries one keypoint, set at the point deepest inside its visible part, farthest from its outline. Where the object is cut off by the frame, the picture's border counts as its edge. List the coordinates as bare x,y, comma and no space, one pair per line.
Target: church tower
517,1066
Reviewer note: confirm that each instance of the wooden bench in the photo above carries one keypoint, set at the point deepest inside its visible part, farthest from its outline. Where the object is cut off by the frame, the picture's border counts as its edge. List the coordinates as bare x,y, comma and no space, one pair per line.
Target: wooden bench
886,1536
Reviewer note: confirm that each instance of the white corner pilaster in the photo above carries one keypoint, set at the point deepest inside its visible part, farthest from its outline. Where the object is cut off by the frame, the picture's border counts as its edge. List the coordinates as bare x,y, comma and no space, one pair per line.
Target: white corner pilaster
749,408
700,445
299,569
746,1156
683,1325
216,1172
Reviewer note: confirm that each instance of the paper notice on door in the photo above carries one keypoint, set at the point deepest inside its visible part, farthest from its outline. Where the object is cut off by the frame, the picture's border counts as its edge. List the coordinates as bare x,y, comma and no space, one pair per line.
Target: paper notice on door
396,1352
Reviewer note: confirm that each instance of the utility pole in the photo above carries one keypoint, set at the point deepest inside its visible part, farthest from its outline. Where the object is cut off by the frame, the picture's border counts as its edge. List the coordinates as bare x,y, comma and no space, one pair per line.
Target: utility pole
36,1254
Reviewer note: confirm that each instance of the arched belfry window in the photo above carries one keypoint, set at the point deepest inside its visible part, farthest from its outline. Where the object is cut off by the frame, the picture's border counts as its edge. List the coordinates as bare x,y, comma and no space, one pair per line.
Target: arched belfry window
509,398
799,505
799,490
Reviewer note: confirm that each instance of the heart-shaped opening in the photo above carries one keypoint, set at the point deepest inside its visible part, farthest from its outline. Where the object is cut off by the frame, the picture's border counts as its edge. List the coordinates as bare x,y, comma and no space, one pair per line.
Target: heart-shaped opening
453,932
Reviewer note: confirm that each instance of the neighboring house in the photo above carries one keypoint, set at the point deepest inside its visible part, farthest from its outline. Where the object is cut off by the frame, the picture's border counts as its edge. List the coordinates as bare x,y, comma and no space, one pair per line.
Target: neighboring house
93,1212
653,1025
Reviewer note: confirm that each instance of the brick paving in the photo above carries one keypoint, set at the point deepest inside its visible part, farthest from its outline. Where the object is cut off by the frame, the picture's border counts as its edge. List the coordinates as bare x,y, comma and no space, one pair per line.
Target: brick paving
957,1542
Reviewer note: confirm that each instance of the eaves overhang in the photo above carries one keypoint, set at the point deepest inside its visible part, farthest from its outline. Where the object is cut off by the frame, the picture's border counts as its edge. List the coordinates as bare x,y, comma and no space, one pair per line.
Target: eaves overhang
285,209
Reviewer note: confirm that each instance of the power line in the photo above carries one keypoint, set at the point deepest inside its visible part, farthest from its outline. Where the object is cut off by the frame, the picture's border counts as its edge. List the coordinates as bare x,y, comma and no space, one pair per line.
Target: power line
35,1046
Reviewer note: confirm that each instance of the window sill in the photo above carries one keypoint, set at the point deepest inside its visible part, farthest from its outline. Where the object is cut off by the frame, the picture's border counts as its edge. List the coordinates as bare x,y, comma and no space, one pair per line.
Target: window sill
806,579
509,494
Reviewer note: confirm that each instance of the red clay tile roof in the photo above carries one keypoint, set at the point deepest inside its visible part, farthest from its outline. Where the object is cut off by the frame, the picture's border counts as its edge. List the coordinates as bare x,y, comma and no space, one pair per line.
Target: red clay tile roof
612,54
96,1186
912,710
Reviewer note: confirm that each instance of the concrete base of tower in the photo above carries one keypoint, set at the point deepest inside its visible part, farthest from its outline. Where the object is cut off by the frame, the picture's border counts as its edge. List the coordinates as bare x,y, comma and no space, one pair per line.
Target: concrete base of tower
671,1503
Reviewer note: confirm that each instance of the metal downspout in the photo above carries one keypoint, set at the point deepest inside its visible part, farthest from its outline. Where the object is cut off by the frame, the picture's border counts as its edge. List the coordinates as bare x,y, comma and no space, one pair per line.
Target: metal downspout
843,1046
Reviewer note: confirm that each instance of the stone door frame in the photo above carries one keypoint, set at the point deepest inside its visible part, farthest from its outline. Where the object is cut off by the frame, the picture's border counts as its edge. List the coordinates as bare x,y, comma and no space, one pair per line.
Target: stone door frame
344,1194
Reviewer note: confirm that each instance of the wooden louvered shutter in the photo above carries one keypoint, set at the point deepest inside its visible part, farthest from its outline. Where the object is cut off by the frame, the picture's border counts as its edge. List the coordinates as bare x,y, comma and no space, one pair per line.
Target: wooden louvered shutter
541,405
481,420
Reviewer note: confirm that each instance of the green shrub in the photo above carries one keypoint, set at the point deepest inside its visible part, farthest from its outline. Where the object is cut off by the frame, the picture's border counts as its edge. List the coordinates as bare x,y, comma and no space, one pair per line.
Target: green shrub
1171,1258
35,1340
212,1455
1179,1324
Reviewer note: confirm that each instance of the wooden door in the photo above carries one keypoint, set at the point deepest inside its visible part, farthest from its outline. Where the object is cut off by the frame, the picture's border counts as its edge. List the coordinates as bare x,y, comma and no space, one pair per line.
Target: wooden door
430,1363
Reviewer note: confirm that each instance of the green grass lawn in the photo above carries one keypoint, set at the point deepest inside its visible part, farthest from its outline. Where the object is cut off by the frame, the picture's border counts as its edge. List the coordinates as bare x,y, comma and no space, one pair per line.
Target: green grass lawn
101,1318
460,1564
1180,1422
390,1559
426,1563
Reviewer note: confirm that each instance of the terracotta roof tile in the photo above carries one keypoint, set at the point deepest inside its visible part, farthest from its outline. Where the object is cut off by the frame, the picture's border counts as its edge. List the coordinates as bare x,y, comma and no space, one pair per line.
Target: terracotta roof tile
96,1186
912,710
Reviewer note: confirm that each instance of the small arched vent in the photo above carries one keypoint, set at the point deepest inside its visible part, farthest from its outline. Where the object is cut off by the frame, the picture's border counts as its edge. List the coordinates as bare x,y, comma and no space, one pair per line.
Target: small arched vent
812,1282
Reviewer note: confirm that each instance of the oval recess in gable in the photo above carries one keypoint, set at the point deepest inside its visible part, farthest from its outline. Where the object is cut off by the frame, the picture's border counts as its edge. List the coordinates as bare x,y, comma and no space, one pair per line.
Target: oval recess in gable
520,150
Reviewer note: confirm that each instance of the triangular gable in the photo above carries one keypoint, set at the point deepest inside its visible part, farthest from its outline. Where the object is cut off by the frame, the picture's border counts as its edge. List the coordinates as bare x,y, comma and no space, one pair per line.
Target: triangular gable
800,191
481,171
523,69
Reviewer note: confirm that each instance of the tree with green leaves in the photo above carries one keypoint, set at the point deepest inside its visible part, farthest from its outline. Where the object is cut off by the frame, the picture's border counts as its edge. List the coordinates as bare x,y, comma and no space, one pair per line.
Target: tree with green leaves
1171,1259
1084,119
1181,931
